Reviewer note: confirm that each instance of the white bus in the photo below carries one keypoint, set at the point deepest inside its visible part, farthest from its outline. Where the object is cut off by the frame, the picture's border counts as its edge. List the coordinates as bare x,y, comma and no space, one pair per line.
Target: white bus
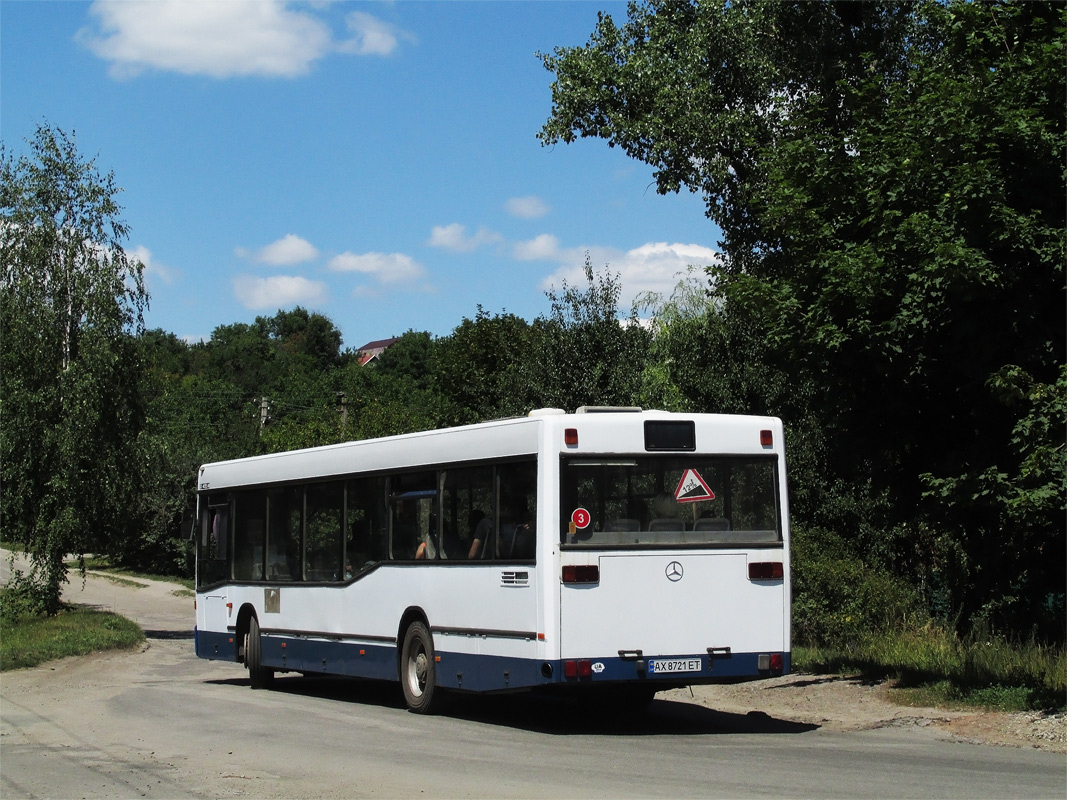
609,550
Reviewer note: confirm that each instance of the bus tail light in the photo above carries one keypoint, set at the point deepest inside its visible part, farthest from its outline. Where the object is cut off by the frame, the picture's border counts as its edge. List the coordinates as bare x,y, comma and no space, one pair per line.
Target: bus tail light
766,439
765,571
581,573
570,437
578,669
770,662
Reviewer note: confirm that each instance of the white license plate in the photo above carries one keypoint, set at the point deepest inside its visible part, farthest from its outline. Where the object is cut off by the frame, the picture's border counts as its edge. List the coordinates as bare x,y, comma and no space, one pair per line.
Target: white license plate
657,666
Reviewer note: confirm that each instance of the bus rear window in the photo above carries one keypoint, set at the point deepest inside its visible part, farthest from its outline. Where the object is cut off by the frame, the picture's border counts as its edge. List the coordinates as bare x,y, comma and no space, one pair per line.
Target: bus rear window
669,501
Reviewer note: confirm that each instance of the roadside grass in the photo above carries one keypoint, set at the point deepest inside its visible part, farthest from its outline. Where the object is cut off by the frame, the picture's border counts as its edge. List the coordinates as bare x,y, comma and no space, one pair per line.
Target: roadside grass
934,666
102,564
31,639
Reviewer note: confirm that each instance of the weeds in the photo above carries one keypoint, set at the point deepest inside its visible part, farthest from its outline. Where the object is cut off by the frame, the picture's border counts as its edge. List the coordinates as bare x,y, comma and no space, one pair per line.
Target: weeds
934,665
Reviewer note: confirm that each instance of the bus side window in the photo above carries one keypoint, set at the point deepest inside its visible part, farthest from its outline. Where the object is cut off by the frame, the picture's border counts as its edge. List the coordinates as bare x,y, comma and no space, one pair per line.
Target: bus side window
250,509
284,517
323,531
413,517
466,502
365,524
518,511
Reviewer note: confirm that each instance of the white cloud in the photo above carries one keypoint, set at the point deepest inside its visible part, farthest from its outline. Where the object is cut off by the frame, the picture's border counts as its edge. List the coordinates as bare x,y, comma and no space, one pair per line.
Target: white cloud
652,267
288,250
153,270
387,268
528,207
218,39
454,237
279,291
372,36
540,248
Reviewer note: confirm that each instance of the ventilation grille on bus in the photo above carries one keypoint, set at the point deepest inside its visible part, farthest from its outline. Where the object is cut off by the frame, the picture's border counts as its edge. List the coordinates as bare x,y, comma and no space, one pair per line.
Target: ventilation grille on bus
515,579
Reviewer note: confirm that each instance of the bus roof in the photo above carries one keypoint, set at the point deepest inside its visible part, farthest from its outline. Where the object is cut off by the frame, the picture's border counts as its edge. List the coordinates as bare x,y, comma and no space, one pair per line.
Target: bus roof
517,436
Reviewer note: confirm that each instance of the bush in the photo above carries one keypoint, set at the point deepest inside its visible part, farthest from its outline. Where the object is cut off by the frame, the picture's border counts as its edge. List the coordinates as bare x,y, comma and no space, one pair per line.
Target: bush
22,598
839,600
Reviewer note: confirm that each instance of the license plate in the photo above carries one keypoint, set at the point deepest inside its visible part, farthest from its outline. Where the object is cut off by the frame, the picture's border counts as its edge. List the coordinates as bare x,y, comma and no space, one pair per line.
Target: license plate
657,666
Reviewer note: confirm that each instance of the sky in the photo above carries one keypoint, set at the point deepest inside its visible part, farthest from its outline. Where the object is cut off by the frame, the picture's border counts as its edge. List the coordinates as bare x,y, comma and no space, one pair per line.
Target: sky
377,163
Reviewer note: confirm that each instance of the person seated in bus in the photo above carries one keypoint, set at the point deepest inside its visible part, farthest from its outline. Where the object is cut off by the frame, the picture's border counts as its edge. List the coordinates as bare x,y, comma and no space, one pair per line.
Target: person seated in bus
516,529
480,538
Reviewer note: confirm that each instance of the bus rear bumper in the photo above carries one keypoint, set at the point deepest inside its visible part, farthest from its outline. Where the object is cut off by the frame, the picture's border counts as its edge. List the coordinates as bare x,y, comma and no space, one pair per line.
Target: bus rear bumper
684,670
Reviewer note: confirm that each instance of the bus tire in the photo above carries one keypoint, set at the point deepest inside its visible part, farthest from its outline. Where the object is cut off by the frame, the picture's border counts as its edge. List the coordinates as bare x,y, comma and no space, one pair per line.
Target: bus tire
259,677
418,671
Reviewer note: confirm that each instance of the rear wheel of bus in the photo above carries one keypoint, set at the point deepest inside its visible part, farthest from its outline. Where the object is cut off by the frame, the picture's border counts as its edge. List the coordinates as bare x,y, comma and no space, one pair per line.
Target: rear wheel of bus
259,676
418,671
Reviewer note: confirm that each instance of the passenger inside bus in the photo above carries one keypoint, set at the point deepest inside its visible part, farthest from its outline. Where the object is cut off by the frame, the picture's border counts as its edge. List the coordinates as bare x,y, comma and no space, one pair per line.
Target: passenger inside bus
480,541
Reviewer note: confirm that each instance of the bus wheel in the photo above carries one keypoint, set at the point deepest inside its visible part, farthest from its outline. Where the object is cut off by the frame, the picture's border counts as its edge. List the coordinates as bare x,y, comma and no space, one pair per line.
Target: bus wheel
259,676
418,674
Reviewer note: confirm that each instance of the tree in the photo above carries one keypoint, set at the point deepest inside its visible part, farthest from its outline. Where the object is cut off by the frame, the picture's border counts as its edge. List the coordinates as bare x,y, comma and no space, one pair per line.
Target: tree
583,354
890,186
479,366
301,332
71,301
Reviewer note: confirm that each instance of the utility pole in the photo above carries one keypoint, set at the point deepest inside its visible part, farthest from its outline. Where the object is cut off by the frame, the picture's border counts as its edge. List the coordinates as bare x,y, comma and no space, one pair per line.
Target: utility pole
264,414
342,399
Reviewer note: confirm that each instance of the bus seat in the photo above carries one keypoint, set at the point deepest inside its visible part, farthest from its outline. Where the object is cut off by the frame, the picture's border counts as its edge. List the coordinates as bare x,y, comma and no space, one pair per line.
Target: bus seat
666,524
712,524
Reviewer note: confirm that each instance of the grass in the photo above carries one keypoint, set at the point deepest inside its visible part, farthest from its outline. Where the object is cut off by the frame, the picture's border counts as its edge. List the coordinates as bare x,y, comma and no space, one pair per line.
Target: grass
101,564
934,666
27,641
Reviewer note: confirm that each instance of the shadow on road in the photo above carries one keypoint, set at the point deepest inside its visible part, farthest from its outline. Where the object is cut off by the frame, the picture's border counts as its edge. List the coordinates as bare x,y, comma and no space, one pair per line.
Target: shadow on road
545,713
168,635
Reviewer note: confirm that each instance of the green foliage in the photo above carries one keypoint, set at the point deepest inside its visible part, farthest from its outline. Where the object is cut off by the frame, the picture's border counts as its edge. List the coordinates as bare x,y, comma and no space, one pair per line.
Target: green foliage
1011,522
935,665
32,639
22,597
889,182
583,354
481,367
69,369
841,600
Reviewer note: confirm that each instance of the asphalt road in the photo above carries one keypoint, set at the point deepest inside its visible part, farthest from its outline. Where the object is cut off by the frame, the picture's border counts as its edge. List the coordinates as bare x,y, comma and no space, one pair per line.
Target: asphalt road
161,723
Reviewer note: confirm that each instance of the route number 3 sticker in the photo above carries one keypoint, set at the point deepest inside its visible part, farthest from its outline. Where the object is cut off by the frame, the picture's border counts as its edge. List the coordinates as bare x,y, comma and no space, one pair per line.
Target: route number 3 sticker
581,518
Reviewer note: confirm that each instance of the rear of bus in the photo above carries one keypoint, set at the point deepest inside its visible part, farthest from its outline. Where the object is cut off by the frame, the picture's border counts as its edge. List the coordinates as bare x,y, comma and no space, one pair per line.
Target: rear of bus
673,542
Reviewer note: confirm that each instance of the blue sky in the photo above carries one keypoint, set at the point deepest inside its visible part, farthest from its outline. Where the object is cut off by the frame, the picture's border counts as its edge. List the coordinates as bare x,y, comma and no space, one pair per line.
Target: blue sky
375,162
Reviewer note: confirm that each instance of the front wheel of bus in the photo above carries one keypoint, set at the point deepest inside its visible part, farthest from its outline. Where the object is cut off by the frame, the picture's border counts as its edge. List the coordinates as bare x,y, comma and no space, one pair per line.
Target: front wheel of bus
259,676
418,673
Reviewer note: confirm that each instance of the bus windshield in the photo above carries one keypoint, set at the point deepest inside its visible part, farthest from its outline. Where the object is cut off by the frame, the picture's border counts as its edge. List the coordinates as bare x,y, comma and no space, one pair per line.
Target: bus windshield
669,501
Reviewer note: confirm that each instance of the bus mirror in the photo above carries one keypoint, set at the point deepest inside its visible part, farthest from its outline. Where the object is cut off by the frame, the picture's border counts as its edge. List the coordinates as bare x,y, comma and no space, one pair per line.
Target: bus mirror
189,525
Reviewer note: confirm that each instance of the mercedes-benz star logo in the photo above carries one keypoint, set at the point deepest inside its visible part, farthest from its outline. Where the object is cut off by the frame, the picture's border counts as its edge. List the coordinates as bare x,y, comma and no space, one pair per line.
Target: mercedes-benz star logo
674,572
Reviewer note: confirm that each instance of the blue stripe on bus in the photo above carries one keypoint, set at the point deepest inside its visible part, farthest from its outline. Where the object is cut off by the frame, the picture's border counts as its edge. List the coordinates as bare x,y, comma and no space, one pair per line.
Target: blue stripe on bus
215,646
474,672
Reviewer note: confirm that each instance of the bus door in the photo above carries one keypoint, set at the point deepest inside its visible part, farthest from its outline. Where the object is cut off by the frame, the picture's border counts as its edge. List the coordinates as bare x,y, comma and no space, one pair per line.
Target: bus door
213,567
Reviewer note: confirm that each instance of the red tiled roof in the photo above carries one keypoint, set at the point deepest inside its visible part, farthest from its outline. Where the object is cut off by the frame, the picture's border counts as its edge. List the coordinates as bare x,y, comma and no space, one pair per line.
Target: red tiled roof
372,350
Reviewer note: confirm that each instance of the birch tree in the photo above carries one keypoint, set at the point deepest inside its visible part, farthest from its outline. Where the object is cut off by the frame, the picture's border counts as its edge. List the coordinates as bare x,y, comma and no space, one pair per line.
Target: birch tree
71,302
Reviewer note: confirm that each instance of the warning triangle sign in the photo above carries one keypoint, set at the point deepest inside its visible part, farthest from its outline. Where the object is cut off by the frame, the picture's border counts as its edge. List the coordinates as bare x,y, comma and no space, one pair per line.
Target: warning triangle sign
692,488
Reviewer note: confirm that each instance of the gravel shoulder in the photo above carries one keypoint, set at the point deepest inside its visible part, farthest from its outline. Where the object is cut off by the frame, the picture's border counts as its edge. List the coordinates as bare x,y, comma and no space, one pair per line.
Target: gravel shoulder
843,703
833,702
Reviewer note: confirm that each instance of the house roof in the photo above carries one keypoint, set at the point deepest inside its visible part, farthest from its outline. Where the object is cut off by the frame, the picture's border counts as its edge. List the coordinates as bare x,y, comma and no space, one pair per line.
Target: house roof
371,350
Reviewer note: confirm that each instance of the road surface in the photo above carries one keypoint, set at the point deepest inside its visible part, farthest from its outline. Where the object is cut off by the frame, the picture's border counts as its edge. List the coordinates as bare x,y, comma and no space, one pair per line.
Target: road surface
160,723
